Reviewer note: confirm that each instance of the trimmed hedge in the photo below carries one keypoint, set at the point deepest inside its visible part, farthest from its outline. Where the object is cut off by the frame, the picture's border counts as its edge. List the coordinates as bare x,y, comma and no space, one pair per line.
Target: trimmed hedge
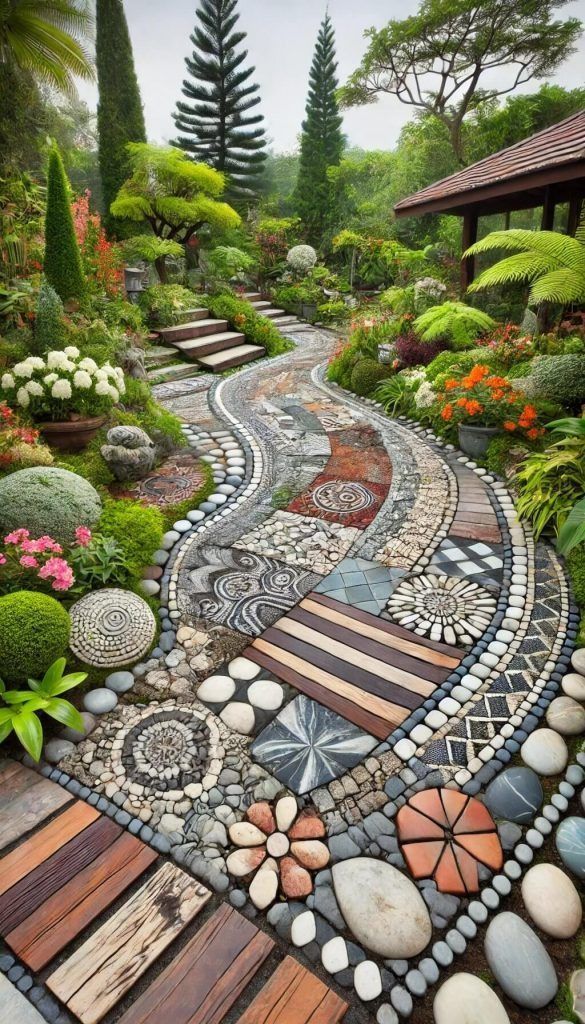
34,632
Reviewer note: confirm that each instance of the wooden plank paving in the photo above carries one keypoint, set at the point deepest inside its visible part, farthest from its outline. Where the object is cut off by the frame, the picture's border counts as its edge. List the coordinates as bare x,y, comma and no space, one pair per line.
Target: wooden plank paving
208,975
106,966
475,518
372,672
294,996
61,918
26,800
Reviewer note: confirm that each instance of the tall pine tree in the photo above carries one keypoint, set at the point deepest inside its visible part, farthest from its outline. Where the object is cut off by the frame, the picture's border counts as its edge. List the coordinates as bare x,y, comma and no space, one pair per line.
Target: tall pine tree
120,115
322,140
216,123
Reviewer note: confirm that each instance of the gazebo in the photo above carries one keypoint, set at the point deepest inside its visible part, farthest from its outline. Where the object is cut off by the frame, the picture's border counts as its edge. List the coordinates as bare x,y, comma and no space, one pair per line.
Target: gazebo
542,171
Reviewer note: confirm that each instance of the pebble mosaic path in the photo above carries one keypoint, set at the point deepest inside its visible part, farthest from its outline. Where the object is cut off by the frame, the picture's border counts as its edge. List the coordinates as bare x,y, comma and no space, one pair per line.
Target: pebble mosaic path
331,774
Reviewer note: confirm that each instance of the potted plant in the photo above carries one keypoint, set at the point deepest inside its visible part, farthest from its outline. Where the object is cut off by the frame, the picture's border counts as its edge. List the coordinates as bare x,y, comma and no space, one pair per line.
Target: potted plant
67,396
484,405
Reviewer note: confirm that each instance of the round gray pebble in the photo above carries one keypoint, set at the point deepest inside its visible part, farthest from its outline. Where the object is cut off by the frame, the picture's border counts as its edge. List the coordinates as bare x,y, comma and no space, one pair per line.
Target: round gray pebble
442,953
416,983
534,838
456,941
523,853
490,898
502,885
466,926
386,1015
429,970
401,1000
512,869
477,912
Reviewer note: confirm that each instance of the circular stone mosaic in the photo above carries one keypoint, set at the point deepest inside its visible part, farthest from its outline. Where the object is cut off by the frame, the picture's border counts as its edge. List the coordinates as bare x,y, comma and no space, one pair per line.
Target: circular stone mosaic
443,608
342,496
169,751
111,627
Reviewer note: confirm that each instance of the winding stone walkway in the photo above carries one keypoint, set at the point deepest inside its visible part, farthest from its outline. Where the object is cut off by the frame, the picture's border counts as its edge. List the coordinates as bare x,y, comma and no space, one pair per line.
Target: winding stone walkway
358,637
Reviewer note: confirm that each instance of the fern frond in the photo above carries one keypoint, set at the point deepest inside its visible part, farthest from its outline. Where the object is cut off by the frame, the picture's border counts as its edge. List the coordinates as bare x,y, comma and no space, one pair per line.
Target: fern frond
562,286
517,269
452,320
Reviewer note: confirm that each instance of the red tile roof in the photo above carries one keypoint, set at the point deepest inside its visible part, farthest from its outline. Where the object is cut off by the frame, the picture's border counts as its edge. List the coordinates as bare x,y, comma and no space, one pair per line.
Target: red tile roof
550,150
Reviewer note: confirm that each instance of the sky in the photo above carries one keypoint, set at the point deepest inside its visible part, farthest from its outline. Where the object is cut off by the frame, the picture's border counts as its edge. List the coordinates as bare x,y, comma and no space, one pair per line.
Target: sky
281,39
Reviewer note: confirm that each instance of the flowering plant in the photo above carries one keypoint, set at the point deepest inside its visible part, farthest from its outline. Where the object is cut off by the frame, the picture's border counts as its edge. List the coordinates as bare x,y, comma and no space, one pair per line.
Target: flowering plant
40,563
483,399
17,442
509,344
62,385
102,261
301,259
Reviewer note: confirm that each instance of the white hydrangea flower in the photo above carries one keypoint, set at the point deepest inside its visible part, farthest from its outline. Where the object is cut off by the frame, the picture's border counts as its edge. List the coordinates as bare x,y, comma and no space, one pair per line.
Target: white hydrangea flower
101,375
88,364
51,378
68,366
82,379
121,385
57,360
8,381
61,388
34,388
22,397
37,362
425,396
113,393
102,387
71,351
24,369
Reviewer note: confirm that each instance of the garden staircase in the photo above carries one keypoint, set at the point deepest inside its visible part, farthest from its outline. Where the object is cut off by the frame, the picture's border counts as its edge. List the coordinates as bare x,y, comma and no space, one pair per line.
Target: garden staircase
279,317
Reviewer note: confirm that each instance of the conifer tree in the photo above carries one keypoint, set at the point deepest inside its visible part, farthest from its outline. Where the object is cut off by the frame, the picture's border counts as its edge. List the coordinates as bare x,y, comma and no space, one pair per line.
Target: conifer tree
63,269
216,122
120,115
322,140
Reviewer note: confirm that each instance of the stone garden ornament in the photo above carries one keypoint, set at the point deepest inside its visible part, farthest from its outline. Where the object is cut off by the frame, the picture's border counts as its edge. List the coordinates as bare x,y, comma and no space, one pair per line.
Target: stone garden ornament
129,453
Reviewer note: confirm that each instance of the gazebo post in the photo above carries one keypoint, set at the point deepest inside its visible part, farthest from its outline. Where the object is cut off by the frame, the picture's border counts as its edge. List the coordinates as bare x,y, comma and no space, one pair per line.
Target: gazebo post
468,237
574,217
548,211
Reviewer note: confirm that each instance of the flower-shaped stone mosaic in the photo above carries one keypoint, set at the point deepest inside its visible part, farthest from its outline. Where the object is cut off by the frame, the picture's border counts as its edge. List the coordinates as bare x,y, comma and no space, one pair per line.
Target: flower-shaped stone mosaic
445,835
280,847
444,608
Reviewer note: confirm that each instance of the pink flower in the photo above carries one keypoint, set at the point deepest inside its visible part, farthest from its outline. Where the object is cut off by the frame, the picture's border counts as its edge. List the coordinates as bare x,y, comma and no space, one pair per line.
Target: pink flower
83,536
16,537
63,582
29,562
54,567
2,559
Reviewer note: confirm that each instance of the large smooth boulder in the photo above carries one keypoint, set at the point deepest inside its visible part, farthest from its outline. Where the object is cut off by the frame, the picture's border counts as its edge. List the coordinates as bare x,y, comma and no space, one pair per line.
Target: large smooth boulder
515,795
519,962
552,901
46,500
465,999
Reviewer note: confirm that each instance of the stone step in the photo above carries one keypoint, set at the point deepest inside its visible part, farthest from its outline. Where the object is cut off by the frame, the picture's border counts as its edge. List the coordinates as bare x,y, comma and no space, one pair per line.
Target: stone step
253,297
158,354
193,348
175,372
271,312
285,321
260,304
237,356
193,329
188,315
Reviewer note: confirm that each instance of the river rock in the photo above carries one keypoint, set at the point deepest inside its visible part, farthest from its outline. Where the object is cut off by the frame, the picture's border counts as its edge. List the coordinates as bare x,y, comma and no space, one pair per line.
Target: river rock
573,685
515,795
238,716
100,701
570,842
465,999
578,661
120,682
520,962
56,749
545,751
367,980
566,716
382,907
552,901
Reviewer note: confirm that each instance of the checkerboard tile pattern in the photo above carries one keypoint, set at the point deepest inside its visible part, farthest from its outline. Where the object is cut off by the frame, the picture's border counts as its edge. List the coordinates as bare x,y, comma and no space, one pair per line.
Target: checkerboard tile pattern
477,560
361,584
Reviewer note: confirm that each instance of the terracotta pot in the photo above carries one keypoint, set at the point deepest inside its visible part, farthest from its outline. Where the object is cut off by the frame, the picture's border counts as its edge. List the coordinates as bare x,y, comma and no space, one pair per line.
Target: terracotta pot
474,441
71,435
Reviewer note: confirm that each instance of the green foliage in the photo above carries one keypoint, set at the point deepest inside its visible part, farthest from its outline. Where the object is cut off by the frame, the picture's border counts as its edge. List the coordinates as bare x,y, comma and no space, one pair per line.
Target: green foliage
341,365
398,299
62,257
335,311
553,264
366,375
576,567
242,316
457,362
47,38
49,331
572,532
98,564
120,116
175,196
150,249
46,500
558,378
137,530
34,631
453,322
396,395
219,121
21,712
550,483
498,455
321,140
115,312
226,262
164,304
88,464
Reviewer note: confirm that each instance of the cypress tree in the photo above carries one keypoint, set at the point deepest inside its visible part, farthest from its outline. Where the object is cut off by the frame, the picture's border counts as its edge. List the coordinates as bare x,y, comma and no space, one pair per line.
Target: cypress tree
120,115
322,140
63,269
216,123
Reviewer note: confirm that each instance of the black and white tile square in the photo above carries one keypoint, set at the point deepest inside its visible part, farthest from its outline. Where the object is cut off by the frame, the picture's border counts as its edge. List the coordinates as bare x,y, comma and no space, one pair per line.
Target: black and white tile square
477,560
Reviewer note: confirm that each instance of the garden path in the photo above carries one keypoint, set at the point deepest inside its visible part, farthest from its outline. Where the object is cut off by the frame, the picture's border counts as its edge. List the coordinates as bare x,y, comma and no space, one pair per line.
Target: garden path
357,622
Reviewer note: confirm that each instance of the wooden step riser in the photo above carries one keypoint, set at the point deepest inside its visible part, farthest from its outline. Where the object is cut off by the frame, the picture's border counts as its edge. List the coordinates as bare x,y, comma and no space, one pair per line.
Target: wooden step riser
193,314
189,331
192,350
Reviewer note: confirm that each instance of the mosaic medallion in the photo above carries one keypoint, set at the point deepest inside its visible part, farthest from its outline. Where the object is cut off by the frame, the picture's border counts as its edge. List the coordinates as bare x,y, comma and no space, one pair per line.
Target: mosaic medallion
443,608
343,496
111,627
340,501
175,481
169,751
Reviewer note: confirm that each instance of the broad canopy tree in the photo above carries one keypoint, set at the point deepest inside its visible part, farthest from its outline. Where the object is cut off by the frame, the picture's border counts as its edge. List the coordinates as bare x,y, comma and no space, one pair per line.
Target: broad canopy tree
175,196
454,55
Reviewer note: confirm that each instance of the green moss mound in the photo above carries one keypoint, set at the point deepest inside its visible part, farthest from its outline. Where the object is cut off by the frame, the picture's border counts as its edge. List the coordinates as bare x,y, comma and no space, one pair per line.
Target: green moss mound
366,375
34,632
47,500
137,529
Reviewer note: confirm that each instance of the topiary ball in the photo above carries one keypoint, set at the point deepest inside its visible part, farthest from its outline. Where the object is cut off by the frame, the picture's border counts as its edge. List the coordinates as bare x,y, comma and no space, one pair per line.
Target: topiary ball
366,375
46,500
34,632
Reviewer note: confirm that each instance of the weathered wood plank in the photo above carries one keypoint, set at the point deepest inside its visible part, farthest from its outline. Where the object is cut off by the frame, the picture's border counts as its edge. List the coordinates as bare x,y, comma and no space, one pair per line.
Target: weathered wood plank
105,967
27,895
39,847
204,981
30,808
60,919
14,780
294,996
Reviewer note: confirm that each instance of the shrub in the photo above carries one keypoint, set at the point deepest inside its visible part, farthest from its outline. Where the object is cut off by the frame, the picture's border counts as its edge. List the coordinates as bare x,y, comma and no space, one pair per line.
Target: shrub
49,329
115,312
576,567
453,322
342,363
242,316
550,483
34,632
47,500
63,268
558,378
366,375
397,394
505,452
301,259
137,529
411,351
488,401
164,304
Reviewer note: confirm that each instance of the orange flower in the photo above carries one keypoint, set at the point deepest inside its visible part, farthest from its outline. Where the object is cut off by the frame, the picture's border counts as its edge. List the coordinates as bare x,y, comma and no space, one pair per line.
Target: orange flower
447,411
498,395
473,407
509,425
533,433
450,384
497,382
461,402
475,375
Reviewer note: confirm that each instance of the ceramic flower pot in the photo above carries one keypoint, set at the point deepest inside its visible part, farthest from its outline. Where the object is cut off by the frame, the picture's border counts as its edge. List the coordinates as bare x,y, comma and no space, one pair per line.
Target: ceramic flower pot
71,435
474,441
309,310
